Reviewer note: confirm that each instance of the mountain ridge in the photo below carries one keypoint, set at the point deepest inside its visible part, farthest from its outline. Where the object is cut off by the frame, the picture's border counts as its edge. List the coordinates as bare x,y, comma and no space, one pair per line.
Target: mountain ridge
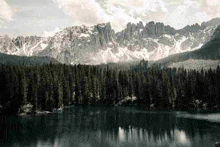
210,50
100,44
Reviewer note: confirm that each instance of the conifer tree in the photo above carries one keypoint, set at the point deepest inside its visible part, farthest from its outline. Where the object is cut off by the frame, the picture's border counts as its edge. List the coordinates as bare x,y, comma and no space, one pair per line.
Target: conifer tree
60,95
24,88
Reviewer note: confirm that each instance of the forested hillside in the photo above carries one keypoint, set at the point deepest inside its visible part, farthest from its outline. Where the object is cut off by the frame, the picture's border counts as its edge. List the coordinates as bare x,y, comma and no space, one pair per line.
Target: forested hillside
209,51
51,86
24,60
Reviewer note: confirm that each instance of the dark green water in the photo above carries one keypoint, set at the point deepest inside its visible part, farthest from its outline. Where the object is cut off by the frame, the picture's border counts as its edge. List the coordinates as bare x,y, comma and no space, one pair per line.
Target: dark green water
112,127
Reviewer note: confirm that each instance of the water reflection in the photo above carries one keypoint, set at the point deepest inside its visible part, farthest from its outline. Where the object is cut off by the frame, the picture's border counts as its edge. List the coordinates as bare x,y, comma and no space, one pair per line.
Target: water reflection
110,127
180,137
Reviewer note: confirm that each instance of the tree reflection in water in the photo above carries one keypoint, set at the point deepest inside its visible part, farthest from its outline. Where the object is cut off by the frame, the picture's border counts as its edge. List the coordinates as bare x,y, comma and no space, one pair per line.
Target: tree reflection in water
110,127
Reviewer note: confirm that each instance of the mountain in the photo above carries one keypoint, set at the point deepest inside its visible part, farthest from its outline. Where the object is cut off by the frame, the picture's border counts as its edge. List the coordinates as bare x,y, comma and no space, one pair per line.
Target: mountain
100,44
212,22
210,50
24,60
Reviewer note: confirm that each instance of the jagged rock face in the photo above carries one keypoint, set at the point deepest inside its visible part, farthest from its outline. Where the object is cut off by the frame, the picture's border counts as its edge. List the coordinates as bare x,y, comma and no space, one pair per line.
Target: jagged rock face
155,40
7,45
100,44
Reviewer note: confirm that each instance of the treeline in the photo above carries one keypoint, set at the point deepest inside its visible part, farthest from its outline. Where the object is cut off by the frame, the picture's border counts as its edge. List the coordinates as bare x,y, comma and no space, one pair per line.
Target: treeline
52,86
24,60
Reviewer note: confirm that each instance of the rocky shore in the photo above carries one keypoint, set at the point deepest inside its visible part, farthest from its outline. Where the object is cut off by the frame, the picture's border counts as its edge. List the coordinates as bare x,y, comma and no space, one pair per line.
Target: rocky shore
28,110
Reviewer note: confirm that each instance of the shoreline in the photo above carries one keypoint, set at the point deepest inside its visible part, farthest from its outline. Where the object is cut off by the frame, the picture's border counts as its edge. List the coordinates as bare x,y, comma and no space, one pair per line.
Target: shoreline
60,110
29,112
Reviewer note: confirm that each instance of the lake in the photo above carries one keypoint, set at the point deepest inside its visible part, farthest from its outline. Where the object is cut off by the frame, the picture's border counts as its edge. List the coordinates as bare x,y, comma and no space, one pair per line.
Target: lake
79,126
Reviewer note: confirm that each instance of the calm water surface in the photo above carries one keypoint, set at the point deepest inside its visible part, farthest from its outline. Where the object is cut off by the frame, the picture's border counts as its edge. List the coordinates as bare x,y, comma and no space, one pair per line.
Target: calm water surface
113,127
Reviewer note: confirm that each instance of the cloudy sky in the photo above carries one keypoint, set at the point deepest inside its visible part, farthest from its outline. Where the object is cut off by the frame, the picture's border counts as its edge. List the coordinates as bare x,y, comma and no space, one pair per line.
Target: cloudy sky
40,17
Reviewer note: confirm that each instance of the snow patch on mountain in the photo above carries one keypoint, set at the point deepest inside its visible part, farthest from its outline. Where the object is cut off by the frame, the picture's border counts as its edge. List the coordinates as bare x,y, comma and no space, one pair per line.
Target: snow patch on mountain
84,35
43,45
51,33
168,36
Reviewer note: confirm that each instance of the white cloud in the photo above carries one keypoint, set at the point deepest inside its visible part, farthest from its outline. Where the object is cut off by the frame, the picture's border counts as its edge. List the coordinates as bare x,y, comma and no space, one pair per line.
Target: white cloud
187,13
118,12
120,18
82,11
123,11
213,2
176,13
139,6
6,12
192,4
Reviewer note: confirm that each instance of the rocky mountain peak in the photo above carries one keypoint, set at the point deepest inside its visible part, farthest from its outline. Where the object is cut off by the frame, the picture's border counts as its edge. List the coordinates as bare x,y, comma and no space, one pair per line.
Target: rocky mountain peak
140,25
99,43
7,45
150,30
105,31
187,30
19,41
